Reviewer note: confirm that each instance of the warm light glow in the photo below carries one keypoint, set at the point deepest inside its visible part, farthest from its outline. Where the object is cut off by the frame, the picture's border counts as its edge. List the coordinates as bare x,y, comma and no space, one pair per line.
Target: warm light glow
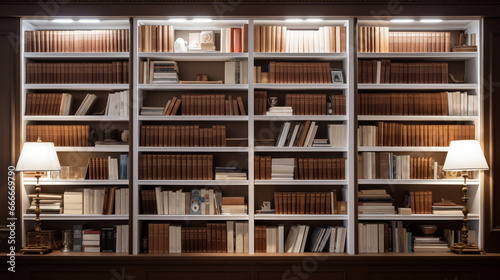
177,20
88,20
294,20
62,20
202,19
38,156
402,20
314,20
431,20
465,155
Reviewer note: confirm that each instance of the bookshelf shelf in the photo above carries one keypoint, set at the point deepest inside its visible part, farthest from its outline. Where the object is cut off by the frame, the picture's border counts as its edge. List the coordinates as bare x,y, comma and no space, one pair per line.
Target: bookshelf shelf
195,118
109,87
419,118
300,86
438,56
99,118
301,118
312,56
77,55
417,182
275,217
193,217
104,148
301,182
300,149
417,86
194,56
416,217
169,87
193,182
75,182
401,149
63,217
195,149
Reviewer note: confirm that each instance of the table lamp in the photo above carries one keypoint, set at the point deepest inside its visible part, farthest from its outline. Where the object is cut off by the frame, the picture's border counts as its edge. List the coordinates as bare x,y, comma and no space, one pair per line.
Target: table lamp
38,157
465,155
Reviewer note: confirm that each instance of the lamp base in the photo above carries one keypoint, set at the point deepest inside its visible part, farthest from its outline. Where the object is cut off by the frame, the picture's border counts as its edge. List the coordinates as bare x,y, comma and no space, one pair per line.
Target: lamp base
461,248
36,250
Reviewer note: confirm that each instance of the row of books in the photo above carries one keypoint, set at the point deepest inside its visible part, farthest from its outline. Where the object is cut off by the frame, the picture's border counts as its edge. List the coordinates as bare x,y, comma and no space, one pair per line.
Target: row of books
48,203
229,237
384,237
385,72
175,167
380,39
183,136
397,134
60,135
385,165
271,239
309,203
319,169
156,38
307,104
282,39
115,72
427,104
260,102
236,72
108,168
117,104
96,201
106,239
207,104
302,134
158,71
48,104
375,202
299,73
421,202
233,39
115,40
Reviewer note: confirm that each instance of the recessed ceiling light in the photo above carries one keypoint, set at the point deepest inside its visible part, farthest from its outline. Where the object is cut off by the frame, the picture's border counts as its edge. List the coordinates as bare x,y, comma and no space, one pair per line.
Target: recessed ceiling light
62,20
431,20
177,20
402,20
314,20
202,19
88,20
294,20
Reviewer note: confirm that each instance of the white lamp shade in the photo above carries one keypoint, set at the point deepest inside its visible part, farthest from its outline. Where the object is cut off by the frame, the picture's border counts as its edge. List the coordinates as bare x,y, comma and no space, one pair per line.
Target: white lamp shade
465,155
38,156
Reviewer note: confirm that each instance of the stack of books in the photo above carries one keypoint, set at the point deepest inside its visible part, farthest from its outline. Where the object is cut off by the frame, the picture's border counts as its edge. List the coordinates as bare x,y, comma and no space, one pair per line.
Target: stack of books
447,209
282,168
229,173
49,203
429,244
234,205
91,241
73,203
376,201
280,111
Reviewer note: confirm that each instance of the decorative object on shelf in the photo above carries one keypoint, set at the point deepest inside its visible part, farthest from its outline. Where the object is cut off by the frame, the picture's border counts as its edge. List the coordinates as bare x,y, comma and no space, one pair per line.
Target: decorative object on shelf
201,77
66,236
38,157
273,101
337,77
125,135
465,155
194,42
207,41
180,45
428,230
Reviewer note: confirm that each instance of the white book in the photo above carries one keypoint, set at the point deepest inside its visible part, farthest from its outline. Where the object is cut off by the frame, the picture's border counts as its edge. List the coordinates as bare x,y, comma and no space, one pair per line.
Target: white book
118,241
291,238
327,33
309,133
283,134
318,240
118,202
325,239
304,239
316,42
229,72
321,35
125,239
270,239
171,202
223,40
300,41
337,38
380,238
340,239
124,201
230,236
182,204
333,237
310,41
294,135
379,70
313,135
159,201
203,202
362,238
281,238
245,237
239,237
165,202
298,240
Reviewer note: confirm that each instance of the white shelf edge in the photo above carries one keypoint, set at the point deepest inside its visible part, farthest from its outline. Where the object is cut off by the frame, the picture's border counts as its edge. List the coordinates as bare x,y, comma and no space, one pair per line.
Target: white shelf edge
322,56
415,217
109,149
301,86
301,118
194,217
76,118
279,217
193,118
192,182
76,182
301,182
63,217
417,86
300,149
193,86
195,149
416,182
416,118
70,55
77,86
421,55
195,56
401,149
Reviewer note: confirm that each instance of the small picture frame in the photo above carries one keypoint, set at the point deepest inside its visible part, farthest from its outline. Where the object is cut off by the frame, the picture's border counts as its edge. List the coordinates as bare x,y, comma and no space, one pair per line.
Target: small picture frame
337,77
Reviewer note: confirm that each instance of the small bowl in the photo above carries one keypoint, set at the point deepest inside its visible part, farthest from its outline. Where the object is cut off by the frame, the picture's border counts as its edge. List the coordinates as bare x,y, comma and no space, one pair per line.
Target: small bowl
428,229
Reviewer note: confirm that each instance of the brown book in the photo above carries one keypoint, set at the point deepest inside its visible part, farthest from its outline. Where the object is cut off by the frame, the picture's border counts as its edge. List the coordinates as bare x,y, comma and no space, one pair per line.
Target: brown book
268,167
241,106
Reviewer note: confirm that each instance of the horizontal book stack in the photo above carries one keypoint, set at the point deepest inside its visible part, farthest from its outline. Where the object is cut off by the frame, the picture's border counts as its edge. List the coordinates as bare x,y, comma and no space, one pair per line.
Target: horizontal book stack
384,237
175,167
338,105
183,136
211,104
260,102
263,165
306,203
447,209
230,173
234,205
380,39
319,169
48,104
49,203
156,38
234,39
300,239
60,135
229,237
385,71
158,71
91,241
421,202
375,201
397,134
430,244
307,104
116,40
299,73
115,72
177,202
384,165
282,39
